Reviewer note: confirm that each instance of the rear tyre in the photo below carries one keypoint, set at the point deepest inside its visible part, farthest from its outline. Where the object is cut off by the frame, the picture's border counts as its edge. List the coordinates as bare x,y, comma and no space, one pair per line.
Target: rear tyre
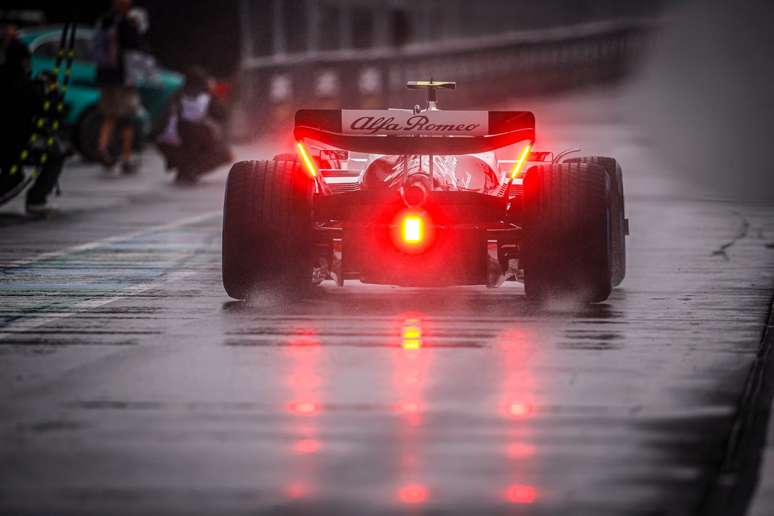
267,228
617,212
566,250
285,156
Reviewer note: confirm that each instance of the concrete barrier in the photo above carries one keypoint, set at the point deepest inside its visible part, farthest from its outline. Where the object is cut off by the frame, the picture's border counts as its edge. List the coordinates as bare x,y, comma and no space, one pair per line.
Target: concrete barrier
487,70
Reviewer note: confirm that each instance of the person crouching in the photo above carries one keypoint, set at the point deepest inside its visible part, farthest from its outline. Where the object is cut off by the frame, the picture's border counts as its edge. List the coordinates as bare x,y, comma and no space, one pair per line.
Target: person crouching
194,142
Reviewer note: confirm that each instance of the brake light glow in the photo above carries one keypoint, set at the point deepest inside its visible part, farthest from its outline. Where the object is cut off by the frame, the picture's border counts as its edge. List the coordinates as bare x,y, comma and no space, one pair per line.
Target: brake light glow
412,229
520,162
306,159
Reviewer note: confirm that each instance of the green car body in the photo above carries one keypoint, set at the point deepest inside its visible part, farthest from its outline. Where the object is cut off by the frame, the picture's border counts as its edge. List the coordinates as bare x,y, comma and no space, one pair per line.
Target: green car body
83,93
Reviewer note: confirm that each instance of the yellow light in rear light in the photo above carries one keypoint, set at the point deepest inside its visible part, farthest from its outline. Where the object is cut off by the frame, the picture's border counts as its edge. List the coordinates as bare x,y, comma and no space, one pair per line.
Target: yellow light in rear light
412,229
412,334
520,163
306,159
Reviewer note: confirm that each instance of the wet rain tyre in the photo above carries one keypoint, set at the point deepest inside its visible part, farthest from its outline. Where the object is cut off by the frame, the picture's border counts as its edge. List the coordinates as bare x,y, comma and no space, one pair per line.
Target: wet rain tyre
617,211
567,245
285,156
267,228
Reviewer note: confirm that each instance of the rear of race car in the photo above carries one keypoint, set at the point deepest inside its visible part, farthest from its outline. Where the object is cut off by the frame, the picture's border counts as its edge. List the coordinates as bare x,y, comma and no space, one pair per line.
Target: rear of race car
413,199
423,198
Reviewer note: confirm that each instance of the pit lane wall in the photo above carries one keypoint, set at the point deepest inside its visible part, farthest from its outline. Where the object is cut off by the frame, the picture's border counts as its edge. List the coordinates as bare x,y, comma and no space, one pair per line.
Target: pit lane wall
487,70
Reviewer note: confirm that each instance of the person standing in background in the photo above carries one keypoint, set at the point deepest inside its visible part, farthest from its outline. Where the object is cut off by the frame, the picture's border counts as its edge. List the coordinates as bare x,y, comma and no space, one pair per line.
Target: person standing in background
10,35
21,100
116,34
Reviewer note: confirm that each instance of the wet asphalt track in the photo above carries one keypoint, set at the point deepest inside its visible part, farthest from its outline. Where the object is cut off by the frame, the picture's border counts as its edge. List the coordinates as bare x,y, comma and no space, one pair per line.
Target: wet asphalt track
130,384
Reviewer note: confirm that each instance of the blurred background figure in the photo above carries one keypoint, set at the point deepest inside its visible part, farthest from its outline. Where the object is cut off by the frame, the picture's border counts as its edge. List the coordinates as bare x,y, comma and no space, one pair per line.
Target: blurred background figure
116,34
139,65
10,34
21,101
194,141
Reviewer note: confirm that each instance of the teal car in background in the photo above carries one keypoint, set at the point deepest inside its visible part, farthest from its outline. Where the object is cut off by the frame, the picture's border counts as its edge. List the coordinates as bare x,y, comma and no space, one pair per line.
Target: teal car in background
83,118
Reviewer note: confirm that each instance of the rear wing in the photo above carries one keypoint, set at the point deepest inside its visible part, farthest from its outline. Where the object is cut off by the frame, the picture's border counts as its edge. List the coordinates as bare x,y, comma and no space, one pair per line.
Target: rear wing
407,132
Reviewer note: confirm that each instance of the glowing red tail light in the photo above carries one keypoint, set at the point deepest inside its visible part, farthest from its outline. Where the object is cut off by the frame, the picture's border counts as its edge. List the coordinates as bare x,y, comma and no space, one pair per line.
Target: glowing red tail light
306,159
412,229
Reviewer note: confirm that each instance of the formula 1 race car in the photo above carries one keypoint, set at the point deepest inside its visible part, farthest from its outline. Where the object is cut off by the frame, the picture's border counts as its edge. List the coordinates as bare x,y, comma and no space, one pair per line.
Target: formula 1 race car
424,197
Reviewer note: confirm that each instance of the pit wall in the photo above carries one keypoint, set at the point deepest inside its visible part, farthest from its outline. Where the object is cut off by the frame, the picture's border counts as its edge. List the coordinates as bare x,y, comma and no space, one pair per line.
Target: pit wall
487,70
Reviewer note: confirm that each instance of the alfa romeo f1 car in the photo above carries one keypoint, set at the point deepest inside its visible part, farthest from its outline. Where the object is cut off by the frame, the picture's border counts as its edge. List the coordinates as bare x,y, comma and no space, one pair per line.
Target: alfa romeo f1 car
424,197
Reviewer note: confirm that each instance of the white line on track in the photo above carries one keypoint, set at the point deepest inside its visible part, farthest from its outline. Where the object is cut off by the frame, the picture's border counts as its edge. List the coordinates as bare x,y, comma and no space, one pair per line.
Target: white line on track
26,324
23,324
109,240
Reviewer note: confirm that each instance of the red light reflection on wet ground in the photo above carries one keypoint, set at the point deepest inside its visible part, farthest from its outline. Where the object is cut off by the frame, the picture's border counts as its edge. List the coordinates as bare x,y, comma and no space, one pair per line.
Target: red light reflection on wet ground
518,450
306,446
297,490
409,407
304,408
410,366
518,408
518,384
413,494
304,383
411,333
521,494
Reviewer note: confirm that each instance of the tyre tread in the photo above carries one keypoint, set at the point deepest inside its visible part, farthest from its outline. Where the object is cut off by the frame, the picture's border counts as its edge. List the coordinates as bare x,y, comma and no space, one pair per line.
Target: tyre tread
565,247
266,223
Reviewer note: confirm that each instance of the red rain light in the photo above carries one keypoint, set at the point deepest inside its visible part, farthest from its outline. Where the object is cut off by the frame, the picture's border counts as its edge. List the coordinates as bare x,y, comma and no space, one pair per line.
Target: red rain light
521,494
413,493
412,229
306,159
520,162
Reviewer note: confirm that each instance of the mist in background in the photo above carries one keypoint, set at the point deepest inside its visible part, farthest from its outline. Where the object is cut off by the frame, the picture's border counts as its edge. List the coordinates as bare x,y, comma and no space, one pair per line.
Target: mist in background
705,97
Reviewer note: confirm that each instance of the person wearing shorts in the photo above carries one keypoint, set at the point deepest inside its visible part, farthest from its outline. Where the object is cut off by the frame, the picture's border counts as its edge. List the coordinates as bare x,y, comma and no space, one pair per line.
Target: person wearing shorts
116,33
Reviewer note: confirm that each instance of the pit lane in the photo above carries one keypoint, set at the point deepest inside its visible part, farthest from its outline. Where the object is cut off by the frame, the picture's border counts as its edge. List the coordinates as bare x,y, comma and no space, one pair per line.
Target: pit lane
132,385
